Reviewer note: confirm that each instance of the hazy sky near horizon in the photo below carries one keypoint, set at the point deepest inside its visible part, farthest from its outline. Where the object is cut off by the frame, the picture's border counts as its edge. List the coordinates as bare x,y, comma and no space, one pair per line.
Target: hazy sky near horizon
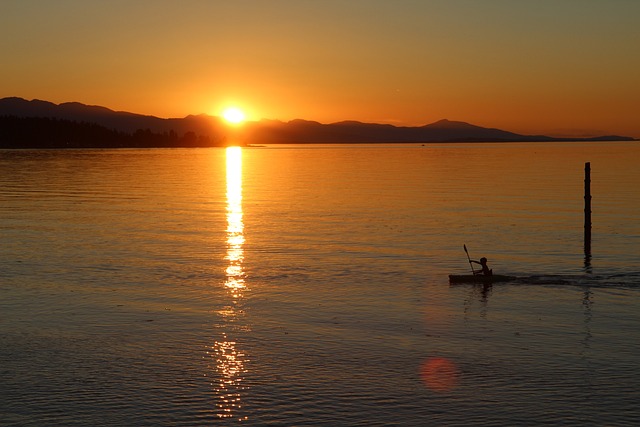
561,67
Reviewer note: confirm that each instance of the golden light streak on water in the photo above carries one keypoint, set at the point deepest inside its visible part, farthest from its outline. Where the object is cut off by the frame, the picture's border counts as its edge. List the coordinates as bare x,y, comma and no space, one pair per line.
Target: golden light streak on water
235,226
230,361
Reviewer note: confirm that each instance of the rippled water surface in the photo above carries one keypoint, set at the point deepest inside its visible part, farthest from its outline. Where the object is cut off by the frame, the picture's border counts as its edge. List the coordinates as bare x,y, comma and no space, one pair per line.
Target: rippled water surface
293,285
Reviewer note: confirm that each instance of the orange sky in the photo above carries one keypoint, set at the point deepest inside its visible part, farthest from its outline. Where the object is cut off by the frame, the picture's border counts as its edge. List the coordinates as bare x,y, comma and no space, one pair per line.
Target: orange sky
566,67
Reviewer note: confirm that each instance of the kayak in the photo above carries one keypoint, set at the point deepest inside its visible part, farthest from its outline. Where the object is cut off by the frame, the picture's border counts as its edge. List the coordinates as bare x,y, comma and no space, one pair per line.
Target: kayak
479,278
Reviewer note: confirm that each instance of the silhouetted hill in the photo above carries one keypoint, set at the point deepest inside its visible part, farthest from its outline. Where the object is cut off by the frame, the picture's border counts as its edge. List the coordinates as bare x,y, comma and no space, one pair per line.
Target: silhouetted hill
117,120
303,131
129,129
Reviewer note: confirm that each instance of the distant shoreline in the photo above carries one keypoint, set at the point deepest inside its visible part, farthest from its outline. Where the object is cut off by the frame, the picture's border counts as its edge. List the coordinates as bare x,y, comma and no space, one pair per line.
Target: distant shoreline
51,133
422,144
42,124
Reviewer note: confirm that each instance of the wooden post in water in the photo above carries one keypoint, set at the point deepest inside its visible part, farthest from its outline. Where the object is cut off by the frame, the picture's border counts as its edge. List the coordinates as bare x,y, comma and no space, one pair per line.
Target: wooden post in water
587,213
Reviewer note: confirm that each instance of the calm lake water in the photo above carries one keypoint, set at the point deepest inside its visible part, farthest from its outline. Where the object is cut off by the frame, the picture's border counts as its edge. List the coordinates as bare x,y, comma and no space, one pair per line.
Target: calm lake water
307,285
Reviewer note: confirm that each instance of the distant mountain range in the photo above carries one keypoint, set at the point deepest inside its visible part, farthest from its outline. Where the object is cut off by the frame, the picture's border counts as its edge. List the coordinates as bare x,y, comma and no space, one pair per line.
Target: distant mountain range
118,129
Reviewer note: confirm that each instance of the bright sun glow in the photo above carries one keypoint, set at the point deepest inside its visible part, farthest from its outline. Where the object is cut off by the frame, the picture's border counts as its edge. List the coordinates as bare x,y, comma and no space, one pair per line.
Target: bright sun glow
233,115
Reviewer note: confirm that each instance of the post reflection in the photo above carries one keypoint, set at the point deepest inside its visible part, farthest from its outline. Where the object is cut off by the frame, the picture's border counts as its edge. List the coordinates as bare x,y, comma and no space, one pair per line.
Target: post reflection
230,360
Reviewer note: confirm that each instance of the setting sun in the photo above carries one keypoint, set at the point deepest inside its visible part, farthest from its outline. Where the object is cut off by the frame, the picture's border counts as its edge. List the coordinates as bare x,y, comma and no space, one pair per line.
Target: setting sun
233,115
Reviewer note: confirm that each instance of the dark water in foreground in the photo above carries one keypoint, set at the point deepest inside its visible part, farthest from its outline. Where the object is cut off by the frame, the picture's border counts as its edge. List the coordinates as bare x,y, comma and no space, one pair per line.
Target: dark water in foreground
298,285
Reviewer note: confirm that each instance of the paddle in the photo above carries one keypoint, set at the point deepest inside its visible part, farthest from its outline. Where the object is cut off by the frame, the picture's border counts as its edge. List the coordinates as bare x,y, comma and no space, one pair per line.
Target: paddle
469,258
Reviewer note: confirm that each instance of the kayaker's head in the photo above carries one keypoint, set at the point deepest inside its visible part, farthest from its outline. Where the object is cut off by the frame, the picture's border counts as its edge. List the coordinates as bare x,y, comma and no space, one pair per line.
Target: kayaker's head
483,260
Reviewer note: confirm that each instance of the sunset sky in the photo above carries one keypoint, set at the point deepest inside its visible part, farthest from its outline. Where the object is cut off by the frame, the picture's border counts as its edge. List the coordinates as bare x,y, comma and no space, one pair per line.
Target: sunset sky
558,67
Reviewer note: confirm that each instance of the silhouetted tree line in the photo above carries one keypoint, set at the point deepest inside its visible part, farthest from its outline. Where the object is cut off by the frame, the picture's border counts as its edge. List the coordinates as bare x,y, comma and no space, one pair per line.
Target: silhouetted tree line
41,132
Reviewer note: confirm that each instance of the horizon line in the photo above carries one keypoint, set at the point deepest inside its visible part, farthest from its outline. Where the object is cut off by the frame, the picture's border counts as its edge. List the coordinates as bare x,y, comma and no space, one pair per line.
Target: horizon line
355,121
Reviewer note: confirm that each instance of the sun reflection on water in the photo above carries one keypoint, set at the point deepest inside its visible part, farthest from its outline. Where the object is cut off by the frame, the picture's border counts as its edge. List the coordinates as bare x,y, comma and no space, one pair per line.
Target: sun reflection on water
235,226
230,361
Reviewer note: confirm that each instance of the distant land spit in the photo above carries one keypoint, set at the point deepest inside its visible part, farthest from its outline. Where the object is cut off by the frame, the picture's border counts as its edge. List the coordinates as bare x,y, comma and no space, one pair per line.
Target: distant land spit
42,124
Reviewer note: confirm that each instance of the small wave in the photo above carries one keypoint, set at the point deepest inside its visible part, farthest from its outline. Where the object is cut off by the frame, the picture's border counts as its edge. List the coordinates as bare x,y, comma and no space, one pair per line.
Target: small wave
612,280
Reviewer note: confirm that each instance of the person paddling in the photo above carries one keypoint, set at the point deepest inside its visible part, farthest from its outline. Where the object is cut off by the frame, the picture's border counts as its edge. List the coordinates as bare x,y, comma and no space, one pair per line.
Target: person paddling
485,268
